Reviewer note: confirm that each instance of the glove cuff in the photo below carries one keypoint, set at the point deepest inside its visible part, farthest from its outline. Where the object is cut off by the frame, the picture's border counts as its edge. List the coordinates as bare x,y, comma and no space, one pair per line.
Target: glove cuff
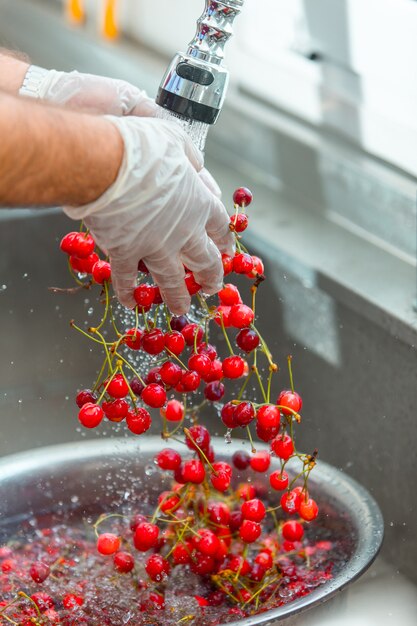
31,87
111,196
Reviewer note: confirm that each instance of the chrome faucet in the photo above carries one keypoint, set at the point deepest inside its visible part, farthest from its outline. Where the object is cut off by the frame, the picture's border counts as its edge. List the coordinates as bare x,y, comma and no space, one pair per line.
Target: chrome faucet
194,86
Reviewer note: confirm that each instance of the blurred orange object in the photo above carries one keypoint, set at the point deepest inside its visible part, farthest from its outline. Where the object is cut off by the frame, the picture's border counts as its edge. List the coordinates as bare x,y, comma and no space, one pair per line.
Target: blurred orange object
110,27
75,11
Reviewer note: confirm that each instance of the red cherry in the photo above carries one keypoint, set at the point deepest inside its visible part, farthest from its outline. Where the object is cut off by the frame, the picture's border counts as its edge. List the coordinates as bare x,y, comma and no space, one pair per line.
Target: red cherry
239,223
222,316
90,415
133,339
82,245
101,272
278,480
243,263
241,316
290,502
153,341
191,284
192,333
146,536
138,421
246,491
260,461
200,363
250,531
71,601
190,381
214,391
85,396
43,601
175,342
238,564
241,460
157,567
124,562
203,564
228,415
144,296
208,350
264,559
84,266
178,322
136,386
254,510
171,373
247,340
289,400
116,410
218,512
154,376
242,197
206,542
229,295
117,387
174,411
257,573
154,602
244,413
227,264
266,434
154,396
233,367
268,416
39,572
168,501
258,268
67,244
222,477
193,471
308,509
107,544
181,554
198,437
216,372
236,520
168,459
292,531
283,446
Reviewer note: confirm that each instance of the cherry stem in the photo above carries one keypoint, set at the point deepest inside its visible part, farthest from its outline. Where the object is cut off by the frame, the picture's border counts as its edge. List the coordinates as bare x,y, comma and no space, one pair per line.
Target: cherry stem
229,345
261,387
103,341
245,384
174,356
251,439
289,361
106,310
80,330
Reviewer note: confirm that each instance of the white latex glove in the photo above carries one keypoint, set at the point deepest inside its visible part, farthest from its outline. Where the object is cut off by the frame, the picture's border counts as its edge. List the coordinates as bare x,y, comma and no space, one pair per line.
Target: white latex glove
159,210
95,94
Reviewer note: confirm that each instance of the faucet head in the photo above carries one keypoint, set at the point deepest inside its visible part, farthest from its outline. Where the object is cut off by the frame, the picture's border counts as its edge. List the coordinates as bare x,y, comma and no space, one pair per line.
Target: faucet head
195,83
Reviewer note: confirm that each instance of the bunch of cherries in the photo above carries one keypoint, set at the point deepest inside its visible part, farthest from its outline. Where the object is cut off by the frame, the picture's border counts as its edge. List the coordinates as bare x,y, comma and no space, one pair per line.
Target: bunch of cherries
229,534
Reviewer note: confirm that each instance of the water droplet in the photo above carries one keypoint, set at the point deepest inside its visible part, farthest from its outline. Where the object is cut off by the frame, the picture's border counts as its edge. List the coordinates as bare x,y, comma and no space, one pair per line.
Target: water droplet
228,436
74,499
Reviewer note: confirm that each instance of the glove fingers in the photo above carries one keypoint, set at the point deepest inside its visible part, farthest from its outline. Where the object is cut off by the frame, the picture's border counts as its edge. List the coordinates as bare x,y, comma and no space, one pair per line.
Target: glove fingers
210,183
202,257
124,274
168,273
217,227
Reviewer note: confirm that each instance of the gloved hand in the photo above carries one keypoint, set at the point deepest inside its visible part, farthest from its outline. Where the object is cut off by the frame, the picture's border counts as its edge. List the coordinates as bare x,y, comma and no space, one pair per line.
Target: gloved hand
95,94
159,210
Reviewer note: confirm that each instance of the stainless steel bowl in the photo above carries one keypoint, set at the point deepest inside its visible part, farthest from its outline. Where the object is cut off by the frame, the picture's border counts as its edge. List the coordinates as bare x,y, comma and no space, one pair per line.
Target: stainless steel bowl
88,478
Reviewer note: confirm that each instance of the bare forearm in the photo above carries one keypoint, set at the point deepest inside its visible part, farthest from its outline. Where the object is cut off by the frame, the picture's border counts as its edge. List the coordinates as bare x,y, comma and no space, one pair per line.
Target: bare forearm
49,156
13,68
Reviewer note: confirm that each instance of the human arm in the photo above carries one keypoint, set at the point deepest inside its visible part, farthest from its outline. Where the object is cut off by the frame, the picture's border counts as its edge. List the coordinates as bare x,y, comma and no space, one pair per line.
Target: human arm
50,157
